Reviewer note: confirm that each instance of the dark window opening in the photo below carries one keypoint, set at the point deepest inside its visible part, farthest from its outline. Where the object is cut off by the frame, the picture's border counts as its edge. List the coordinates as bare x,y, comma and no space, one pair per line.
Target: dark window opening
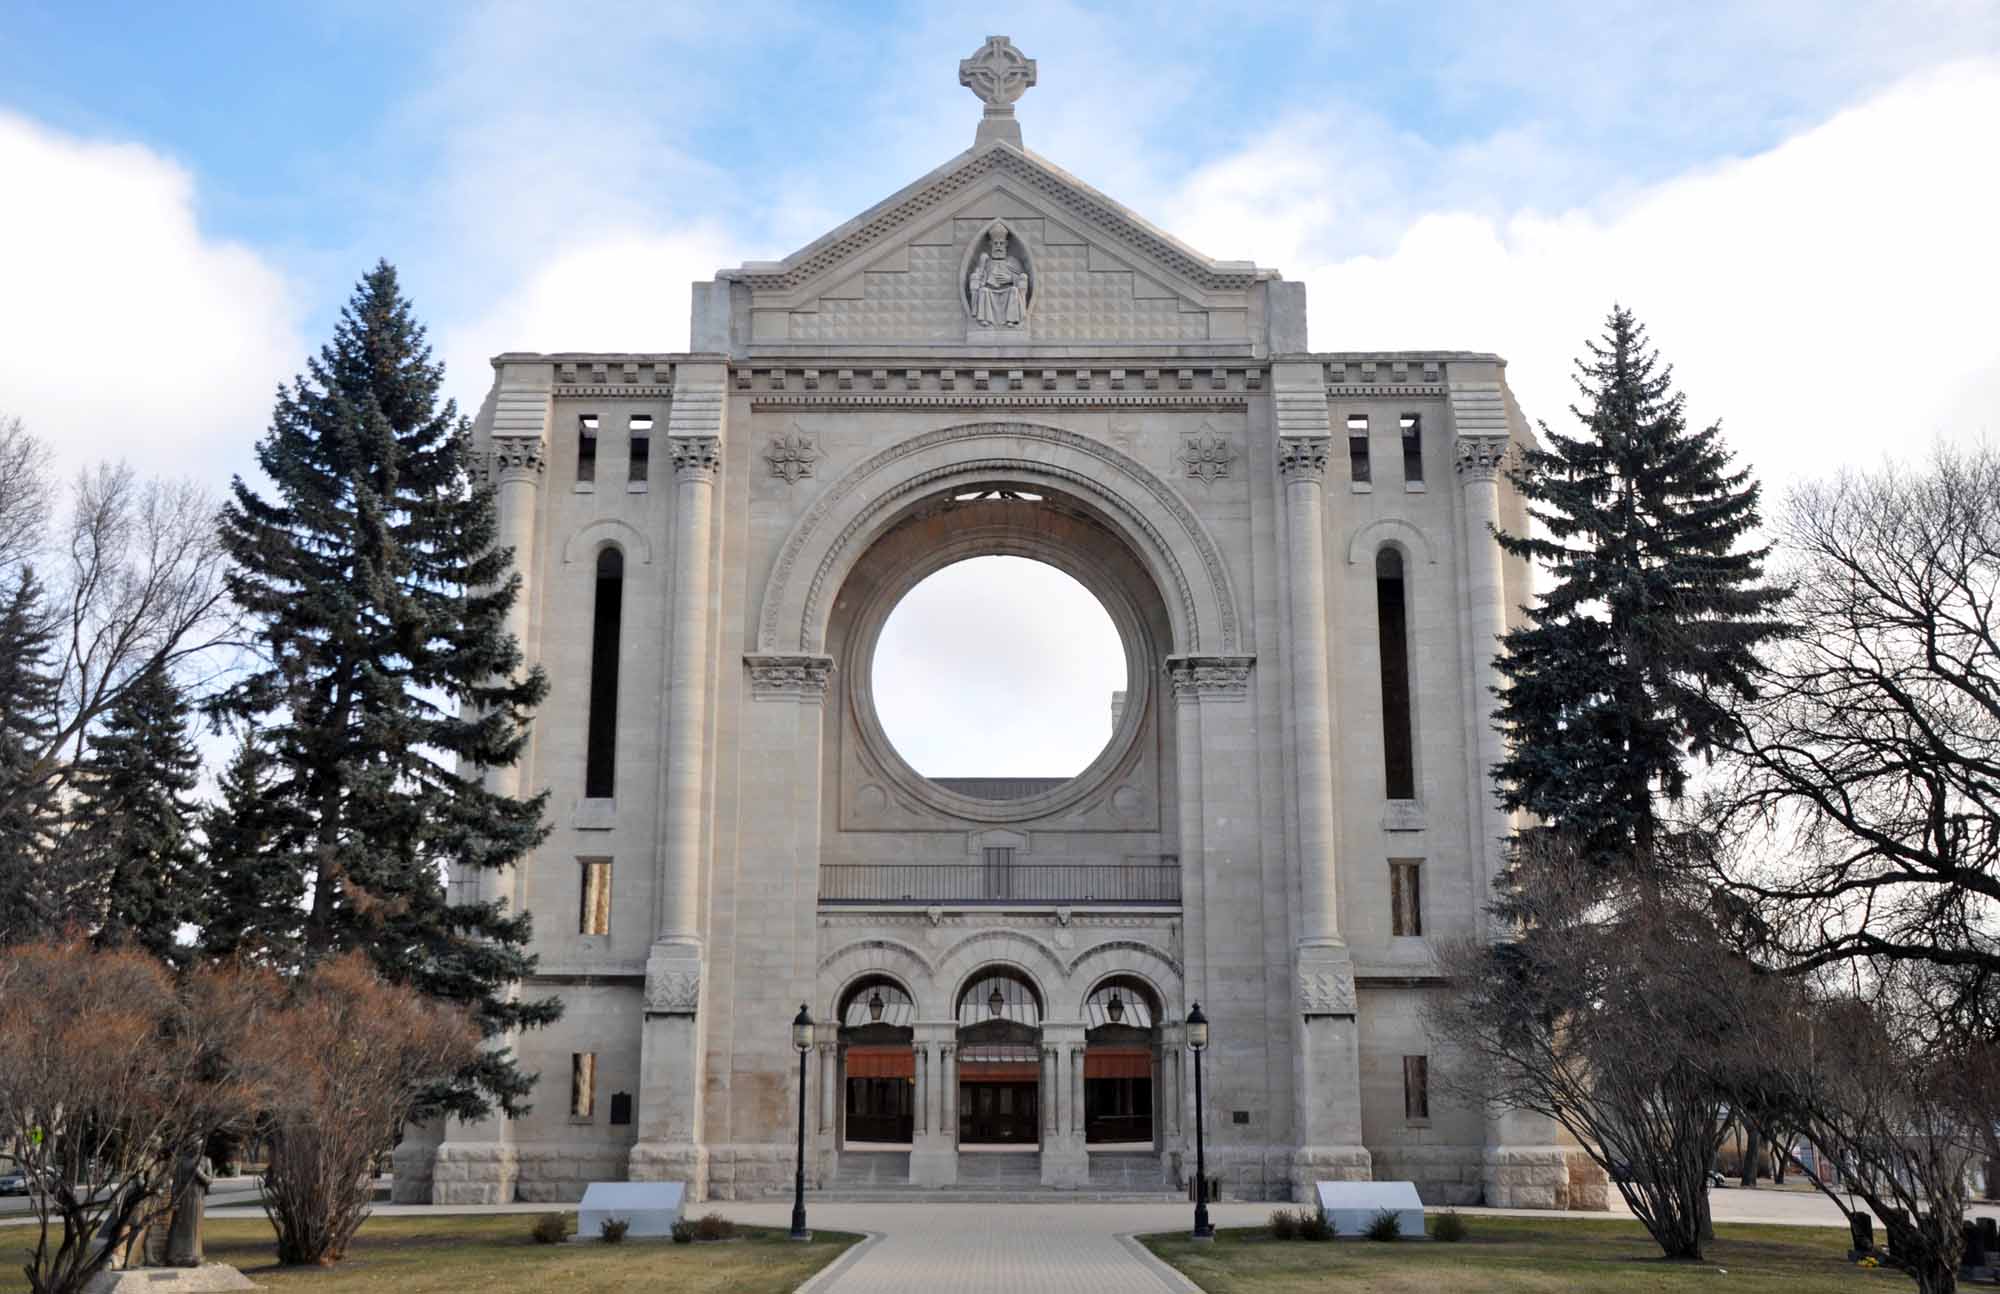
621,1108
1391,616
642,448
601,740
999,864
1413,448
1416,1087
1406,898
1357,447
586,447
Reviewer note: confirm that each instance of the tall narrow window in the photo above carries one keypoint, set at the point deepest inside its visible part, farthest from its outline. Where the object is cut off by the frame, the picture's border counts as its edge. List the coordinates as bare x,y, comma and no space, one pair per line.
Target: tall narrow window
1406,897
1413,449
1416,1087
1397,755
999,872
642,448
594,912
1357,447
582,1084
586,448
621,1107
601,739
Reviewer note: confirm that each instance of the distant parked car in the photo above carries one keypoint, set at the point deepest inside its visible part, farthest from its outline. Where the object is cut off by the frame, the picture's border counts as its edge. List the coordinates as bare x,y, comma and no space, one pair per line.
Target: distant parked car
13,1182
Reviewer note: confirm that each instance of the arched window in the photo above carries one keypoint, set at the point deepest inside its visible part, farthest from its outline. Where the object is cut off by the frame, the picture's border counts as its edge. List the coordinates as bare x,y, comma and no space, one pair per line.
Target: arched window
601,739
1392,619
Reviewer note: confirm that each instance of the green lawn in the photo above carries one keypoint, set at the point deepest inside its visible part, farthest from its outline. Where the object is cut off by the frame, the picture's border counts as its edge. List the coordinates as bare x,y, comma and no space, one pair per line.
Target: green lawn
494,1255
1515,1255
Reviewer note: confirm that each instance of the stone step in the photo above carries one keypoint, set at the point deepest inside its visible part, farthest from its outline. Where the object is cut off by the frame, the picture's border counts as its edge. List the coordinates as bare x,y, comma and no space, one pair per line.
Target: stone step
993,1195
999,1170
873,1168
1137,1171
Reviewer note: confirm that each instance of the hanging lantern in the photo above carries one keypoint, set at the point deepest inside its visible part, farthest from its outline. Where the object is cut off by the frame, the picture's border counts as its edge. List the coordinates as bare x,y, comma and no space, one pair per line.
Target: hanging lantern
875,1006
994,1001
1115,1008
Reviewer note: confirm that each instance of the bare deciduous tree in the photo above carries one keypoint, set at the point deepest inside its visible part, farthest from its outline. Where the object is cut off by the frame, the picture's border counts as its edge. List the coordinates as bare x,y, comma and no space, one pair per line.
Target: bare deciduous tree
108,1070
364,1052
24,494
1573,1019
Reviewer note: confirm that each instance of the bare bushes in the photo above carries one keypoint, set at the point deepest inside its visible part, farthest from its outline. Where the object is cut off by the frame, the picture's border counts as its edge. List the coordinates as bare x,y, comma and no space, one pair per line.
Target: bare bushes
363,1053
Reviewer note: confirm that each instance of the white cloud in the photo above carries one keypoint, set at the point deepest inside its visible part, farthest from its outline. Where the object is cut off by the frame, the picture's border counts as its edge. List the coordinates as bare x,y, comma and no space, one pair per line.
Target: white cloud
125,330
1830,299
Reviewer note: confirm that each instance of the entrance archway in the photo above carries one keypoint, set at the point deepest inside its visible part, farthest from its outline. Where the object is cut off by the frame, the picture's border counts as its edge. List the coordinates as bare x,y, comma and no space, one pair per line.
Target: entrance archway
877,1018
999,1048
1121,1065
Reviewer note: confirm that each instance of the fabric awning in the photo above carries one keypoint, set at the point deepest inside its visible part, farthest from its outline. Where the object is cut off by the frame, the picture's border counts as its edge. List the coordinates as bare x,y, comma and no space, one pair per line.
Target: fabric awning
881,1062
998,1071
1117,1062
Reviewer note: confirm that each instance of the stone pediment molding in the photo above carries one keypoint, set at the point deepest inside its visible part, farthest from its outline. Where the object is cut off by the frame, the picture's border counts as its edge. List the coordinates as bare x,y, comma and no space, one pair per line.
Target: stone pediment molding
1372,535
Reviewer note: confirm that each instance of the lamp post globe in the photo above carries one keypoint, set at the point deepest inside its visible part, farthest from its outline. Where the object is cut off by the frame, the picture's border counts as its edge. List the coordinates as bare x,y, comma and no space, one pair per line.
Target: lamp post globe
802,1040
1197,1040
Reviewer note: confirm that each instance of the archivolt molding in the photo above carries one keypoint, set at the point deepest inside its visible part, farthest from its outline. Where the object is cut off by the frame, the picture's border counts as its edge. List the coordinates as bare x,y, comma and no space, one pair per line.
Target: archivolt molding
899,961
1025,953
1124,957
1209,610
584,542
1370,536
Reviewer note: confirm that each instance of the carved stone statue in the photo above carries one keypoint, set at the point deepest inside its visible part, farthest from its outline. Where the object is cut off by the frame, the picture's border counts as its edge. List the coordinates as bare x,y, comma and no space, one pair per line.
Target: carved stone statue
997,288
192,1174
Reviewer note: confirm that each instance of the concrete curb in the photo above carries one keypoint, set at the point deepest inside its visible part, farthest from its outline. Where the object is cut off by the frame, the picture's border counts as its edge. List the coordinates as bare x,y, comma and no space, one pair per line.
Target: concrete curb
1165,1272
827,1275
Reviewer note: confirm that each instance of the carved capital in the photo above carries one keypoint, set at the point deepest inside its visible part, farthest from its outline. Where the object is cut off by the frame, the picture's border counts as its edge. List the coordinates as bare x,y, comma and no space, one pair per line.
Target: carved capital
778,676
1326,990
673,986
1482,458
515,458
696,457
1216,677
1303,458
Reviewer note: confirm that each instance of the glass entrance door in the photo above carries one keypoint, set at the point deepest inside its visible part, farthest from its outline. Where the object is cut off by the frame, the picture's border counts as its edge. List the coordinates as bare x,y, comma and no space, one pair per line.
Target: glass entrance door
998,1114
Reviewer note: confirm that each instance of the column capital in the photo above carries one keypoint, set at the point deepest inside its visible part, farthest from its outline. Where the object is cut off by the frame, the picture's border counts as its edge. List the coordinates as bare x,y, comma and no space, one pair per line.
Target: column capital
673,980
696,458
781,676
1482,458
1221,677
1303,458
514,458
1325,980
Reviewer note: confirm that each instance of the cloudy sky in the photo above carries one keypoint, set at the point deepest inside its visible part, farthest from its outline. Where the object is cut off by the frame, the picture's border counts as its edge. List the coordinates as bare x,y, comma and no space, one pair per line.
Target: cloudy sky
1798,197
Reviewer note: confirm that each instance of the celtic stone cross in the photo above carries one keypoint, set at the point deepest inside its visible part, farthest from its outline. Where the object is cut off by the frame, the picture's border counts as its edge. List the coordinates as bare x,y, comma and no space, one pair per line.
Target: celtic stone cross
999,74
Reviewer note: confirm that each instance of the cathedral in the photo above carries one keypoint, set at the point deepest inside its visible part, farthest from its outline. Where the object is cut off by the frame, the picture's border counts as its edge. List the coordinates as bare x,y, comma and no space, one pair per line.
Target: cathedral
1292,811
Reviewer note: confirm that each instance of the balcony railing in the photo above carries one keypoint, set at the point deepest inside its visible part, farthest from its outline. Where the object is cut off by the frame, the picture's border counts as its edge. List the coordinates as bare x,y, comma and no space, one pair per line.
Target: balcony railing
1154,883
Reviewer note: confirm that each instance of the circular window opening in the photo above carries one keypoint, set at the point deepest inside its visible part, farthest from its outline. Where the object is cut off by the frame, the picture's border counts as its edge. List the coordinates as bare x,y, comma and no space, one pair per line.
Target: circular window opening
999,677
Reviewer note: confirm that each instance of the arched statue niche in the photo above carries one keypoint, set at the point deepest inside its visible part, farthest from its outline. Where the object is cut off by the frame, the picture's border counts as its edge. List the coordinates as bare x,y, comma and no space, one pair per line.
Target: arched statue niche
1121,1065
878,1062
999,1050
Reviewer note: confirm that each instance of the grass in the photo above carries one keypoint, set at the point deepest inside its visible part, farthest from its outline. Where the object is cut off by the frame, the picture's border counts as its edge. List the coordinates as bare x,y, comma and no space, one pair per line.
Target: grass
495,1254
1518,1255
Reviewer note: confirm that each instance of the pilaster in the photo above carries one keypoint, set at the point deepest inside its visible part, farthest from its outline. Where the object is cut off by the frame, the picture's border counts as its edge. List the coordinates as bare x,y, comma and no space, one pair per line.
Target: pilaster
934,1152
1064,1160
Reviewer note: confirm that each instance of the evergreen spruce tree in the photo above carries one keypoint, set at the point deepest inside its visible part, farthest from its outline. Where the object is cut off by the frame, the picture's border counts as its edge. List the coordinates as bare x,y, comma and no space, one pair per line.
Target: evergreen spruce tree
256,891
389,681
130,843
1632,656
27,800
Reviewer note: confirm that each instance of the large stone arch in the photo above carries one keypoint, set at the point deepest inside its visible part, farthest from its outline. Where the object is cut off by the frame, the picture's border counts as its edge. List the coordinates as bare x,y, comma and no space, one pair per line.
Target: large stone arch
1122,957
899,961
1180,554
1023,952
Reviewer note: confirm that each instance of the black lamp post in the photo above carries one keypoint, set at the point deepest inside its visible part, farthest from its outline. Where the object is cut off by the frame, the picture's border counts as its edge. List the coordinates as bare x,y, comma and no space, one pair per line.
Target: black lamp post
1197,1038
802,1039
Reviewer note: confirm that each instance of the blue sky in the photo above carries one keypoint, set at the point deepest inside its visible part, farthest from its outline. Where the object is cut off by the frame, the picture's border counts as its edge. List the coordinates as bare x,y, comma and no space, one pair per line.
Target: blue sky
1797,196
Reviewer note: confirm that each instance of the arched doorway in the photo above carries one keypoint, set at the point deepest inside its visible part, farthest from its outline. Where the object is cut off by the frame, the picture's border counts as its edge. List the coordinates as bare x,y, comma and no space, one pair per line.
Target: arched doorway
999,1038
877,1019
1121,1065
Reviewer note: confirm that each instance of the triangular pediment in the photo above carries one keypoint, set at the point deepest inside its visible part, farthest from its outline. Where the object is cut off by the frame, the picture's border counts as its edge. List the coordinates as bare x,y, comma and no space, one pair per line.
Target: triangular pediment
897,273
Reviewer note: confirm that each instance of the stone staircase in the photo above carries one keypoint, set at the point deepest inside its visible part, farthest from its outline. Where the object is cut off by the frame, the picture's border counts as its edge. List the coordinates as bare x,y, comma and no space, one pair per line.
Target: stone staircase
1136,1171
872,1169
884,1176
999,1172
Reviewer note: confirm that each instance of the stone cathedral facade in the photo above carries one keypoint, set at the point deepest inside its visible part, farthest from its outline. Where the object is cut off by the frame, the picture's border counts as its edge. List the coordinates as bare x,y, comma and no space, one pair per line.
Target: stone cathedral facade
1292,809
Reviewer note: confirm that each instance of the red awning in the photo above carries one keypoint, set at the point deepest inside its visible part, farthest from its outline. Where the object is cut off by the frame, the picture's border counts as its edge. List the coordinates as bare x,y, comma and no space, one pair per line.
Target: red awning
1117,1062
881,1062
998,1071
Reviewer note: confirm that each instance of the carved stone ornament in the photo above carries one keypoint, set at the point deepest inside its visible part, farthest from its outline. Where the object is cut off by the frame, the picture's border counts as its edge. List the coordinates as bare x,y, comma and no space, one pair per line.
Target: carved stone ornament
997,73
1482,458
671,990
777,676
696,457
1303,458
515,458
998,287
1220,677
792,455
1207,456
1326,992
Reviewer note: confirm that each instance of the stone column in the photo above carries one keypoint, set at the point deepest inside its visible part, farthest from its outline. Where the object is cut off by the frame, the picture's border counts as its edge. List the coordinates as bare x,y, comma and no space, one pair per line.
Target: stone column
671,1144
1051,1105
934,1152
476,1162
1327,1075
947,1129
826,1137
1064,1162
1524,1166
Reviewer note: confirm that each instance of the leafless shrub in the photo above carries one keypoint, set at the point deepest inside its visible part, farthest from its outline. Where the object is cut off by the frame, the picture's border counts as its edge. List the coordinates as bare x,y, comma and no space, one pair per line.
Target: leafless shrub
363,1052
108,1070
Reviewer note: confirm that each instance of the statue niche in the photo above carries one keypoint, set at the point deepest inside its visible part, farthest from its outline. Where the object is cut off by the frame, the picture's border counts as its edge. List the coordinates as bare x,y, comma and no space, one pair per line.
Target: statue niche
998,287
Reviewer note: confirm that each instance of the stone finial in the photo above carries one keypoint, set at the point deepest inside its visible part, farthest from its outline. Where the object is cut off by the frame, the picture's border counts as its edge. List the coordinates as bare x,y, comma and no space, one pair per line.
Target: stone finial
999,74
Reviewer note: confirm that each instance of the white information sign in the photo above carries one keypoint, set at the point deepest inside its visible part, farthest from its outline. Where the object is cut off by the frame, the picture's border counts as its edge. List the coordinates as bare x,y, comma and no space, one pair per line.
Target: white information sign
1351,1206
651,1207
